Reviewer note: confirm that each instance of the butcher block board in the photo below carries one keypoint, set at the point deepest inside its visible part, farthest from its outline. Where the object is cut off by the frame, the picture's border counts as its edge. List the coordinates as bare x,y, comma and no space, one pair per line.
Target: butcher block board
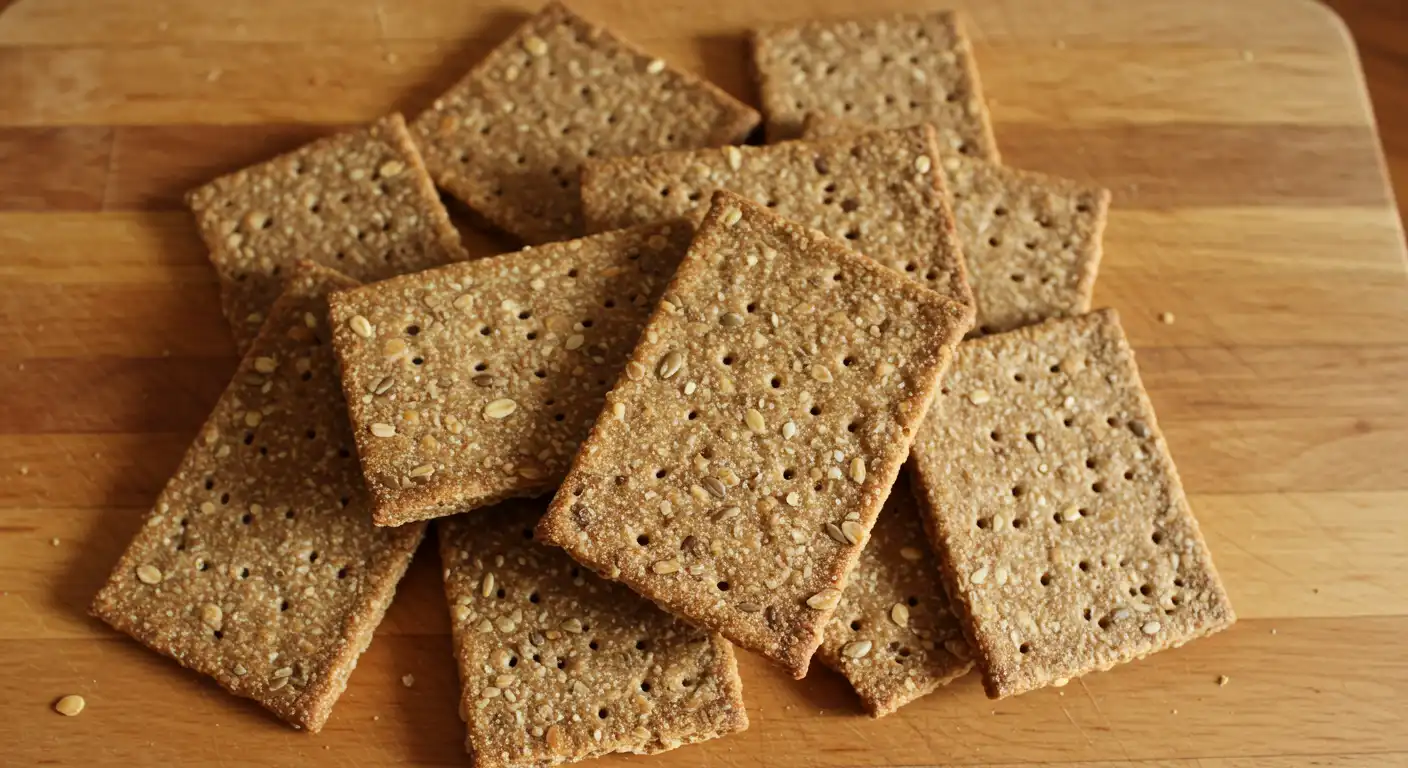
1250,201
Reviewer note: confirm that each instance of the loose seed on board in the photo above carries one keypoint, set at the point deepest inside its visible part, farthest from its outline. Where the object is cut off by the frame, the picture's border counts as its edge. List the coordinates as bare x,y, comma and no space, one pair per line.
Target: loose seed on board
500,409
857,649
670,364
361,325
824,600
70,705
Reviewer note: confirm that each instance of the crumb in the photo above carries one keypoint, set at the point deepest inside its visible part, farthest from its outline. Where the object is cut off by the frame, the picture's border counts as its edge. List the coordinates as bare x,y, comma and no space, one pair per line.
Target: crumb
213,75
376,717
162,26
1273,631
1166,318
54,541
1173,712
1060,45
24,470
70,705
392,58
1223,679
1248,56
408,680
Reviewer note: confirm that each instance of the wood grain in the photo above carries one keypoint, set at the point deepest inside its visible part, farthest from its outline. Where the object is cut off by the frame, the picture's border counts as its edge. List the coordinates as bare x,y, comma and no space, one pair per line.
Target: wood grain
1251,201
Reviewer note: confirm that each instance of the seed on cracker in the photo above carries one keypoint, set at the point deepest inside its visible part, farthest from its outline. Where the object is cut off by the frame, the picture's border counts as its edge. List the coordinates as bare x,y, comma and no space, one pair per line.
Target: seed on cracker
891,662
1045,594
247,570
889,72
329,202
507,139
621,676
779,492
863,189
488,399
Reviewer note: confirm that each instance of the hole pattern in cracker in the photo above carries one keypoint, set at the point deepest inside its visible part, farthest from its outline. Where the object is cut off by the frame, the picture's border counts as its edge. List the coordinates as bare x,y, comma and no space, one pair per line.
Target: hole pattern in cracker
558,664
259,565
735,529
509,137
358,202
1031,242
879,192
886,73
1062,528
894,637
475,383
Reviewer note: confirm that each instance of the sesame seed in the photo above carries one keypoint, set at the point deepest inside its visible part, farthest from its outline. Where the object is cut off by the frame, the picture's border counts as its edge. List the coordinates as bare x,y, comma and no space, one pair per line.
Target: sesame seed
793,499
858,469
391,168
670,364
149,574
666,566
381,429
211,615
500,409
899,613
575,341
424,470
535,45
1070,512
911,554
979,576
655,67
789,430
754,420
619,411
265,364
689,388
732,216
923,164
822,374
735,158
70,706
824,600
979,396
572,625
731,320
253,418
1150,628
361,326
857,649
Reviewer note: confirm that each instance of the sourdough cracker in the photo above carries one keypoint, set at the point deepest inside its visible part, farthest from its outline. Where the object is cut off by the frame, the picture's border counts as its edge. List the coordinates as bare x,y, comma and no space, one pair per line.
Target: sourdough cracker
259,565
774,393
1066,540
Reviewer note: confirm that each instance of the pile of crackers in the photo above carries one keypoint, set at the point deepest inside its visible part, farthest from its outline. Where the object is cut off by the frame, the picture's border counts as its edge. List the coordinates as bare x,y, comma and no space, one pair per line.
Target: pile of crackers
838,395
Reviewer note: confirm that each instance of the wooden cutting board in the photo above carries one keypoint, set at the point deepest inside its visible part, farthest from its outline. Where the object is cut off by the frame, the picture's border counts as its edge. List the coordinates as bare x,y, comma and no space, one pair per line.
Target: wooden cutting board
1249,200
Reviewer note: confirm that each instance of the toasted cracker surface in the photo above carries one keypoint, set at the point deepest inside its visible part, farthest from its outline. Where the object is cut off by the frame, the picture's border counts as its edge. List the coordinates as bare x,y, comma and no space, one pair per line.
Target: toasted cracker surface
475,382
1031,242
894,636
558,665
775,391
880,192
508,138
890,72
359,202
1065,537
259,565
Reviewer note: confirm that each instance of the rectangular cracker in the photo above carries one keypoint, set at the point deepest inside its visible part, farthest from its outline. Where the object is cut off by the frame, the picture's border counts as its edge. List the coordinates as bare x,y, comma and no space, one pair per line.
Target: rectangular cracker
1065,538
359,202
894,636
1031,242
508,138
475,382
558,665
259,565
775,390
890,72
880,192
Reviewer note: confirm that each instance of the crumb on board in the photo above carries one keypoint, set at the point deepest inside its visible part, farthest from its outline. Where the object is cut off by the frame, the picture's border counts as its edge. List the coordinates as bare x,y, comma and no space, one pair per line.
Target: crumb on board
1223,680
70,705
1166,318
408,680
54,541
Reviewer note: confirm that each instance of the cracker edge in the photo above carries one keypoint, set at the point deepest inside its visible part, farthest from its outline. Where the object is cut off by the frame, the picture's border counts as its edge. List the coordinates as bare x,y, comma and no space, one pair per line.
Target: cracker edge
725,668
936,527
555,529
358,628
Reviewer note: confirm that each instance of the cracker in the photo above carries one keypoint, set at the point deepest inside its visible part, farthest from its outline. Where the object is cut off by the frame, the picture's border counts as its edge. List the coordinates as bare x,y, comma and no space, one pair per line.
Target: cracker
508,138
359,202
259,565
880,192
896,71
1065,538
1031,242
893,636
476,382
558,665
775,391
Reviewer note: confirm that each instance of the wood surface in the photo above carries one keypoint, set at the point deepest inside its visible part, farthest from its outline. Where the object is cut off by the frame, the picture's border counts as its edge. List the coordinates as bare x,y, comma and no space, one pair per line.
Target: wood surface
1250,200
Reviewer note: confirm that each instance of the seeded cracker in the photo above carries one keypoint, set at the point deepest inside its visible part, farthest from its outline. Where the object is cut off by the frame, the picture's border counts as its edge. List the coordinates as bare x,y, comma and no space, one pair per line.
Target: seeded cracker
1031,242
774,392
559,665
1065,538
475,382
359,202
892,72
894,636
880,192
507,139
259,565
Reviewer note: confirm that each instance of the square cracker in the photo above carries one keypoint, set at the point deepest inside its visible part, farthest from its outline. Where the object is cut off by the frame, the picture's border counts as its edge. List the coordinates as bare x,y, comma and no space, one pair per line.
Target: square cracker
880,192
1064,535
894,637
359,202
1031,242
259,565
508,138
891,72
558,665
775,391
477,381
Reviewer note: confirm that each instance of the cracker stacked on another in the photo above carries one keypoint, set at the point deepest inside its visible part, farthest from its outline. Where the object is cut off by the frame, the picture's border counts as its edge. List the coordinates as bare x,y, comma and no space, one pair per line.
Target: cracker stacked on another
772,398
259,565
1064,535
508,138
559,665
